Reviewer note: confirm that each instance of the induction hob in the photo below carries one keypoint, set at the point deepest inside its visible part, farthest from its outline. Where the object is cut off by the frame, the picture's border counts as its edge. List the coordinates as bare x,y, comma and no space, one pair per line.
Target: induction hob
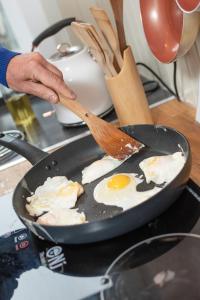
158,261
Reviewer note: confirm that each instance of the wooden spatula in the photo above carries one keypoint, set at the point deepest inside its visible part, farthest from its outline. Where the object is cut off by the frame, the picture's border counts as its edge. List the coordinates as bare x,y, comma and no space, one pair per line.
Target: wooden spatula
108,32
88,39
95,50
111,139
96,38
83,31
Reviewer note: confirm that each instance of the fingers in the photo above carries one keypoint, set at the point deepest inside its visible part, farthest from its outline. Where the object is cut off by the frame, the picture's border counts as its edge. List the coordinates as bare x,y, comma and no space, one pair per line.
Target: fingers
37,77
52,68
52,80
49,66
41,91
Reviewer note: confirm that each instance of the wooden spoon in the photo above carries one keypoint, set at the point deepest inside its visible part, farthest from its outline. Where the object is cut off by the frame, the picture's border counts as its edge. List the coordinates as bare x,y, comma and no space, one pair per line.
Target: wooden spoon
112,140
117,6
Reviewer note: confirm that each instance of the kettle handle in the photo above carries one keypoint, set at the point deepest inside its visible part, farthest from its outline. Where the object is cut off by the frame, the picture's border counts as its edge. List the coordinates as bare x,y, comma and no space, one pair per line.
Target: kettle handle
53,29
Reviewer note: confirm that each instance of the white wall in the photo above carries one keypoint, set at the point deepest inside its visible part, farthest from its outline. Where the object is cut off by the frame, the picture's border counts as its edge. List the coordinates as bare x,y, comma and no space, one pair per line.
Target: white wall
37,14
30,18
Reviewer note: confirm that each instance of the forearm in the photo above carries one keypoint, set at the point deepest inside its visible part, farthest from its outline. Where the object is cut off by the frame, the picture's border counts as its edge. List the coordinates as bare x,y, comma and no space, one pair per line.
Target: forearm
5,57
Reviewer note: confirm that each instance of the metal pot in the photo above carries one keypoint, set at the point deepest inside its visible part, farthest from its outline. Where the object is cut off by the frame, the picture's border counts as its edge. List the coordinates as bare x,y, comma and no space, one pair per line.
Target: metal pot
81,73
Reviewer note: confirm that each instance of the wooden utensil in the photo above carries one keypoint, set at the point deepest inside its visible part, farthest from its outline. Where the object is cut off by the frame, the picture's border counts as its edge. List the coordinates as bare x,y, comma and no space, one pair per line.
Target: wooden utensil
94,49
117,6
93,33
95,42
108,32
111,139
88,39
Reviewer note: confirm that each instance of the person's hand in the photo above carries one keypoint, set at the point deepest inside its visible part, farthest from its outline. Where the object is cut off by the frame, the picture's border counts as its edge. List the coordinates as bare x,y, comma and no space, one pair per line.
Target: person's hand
32,74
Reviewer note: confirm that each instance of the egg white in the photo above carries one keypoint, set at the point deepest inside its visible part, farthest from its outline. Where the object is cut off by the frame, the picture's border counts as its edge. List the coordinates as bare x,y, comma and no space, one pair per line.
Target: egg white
99,168
56,192
126,197
162,169
62,216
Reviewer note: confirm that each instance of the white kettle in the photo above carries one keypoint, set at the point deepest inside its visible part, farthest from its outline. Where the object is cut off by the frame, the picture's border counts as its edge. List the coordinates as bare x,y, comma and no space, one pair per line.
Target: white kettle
81,73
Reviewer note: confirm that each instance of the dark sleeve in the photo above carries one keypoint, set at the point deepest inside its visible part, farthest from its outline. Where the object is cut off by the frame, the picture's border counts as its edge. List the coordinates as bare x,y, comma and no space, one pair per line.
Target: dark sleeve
5,57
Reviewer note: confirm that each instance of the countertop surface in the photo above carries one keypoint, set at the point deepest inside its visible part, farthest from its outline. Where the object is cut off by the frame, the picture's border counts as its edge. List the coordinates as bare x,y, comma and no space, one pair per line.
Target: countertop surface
173,113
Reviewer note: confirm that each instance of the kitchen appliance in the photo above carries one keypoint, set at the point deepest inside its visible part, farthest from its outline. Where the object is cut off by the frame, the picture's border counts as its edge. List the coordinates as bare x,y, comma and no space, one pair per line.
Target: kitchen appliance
169,32
82,73
161,258
104,221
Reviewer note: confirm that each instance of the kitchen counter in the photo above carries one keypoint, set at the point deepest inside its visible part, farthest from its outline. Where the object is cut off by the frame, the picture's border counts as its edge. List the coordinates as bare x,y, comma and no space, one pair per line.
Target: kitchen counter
173,113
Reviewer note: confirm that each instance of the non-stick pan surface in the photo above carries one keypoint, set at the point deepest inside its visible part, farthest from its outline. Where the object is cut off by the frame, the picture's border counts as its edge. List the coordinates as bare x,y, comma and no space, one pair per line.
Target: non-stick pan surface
104,221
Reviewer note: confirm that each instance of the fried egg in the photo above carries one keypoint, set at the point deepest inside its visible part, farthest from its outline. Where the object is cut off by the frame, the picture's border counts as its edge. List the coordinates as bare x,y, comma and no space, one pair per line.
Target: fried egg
162,169
56,192
120,190
99,168
62,216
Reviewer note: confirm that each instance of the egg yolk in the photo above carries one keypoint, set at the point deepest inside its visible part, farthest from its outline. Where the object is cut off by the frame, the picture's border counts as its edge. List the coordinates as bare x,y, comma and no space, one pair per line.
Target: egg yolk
118,182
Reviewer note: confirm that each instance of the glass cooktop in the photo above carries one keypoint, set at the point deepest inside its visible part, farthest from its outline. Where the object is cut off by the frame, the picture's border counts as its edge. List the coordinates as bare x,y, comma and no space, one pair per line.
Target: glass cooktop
158,261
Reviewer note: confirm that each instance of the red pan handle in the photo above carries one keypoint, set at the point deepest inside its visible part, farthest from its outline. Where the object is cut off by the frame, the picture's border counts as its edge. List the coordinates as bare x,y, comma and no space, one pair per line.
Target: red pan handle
30,152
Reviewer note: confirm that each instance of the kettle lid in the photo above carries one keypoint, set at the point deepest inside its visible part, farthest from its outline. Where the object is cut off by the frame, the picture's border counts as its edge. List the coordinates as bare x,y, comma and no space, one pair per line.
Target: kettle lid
65,50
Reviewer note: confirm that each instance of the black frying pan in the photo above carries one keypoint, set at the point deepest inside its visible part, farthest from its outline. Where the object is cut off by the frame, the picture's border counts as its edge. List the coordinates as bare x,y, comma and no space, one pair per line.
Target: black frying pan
104,221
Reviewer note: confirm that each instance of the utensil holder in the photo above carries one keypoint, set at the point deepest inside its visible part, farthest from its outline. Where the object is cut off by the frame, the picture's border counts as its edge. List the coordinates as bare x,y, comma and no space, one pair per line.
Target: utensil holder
128,94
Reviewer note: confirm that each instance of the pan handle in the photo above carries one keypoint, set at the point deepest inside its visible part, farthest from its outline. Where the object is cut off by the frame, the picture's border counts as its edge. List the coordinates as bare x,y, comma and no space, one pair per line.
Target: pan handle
30,152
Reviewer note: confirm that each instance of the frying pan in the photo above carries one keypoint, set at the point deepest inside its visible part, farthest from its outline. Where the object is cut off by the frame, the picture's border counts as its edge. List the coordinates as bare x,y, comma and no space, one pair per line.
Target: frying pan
169,32
105,222
189,6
